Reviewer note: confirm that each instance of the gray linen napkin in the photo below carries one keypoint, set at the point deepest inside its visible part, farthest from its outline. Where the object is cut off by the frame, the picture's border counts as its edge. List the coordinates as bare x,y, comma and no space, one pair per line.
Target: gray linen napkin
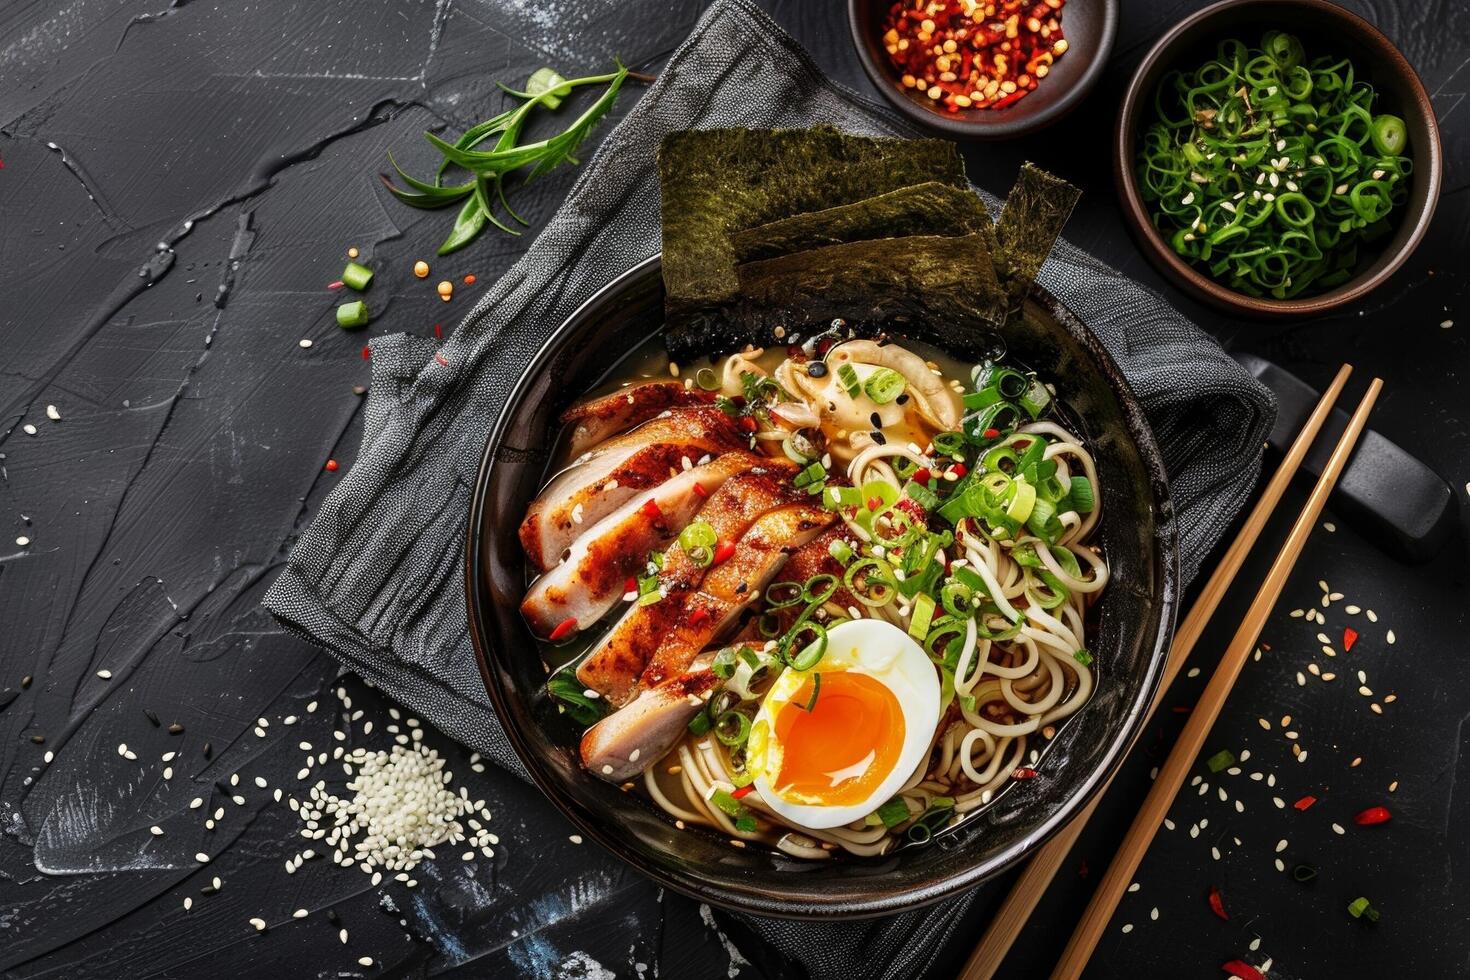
377,577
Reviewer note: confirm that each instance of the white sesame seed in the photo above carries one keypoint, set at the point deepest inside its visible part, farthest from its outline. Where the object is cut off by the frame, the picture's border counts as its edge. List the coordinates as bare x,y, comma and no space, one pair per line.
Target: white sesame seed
1337,829
1127,928
202,858
365,961
575,838
259,924
305,342
156,830
342,935
1281,845
28,429
104,674
1390,639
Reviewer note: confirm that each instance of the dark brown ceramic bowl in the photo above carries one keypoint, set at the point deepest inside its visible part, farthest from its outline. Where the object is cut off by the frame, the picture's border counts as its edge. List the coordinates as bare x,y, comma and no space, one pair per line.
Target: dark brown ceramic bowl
1135,617
1089,27
1324,28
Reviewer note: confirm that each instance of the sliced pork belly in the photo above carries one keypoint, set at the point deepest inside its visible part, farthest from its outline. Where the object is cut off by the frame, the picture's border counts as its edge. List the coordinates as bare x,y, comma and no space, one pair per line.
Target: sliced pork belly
616,470
591,579
637,735
598,419
614,666
730,587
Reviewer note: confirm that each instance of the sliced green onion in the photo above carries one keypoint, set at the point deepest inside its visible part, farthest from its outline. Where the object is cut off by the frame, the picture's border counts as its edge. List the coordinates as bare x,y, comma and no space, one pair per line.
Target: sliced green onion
816,690
547,84
350,316
847,377
884,385
1390,135
779,595
723,665
1081,493
840,551
921,495
357,276
819,588
1035,399
707,379
923,615
725,803
1022,502
745,823
1221,760
893,813
835,497
878,585
700,723
1304,872
949,443
1083,656
811,654
732,728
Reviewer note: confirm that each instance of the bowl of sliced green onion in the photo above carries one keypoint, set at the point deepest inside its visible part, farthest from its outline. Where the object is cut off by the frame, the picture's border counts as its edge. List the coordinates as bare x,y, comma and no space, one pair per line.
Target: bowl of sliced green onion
1277,158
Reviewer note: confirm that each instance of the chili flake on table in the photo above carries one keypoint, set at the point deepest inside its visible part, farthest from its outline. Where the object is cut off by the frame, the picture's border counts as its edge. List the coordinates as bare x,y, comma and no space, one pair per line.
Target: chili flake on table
967,54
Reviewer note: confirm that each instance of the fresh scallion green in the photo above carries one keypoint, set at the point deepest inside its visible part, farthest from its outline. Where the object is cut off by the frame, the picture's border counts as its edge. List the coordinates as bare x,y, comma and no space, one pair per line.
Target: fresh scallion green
893,813
356,276
884,385
352,315
1221,760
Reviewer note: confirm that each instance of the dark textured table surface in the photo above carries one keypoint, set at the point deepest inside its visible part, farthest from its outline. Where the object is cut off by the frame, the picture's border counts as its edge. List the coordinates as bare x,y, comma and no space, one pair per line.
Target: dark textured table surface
180,181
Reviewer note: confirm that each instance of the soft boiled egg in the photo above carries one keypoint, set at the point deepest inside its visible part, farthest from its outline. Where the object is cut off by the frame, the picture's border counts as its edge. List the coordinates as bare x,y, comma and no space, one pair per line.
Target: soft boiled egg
829,762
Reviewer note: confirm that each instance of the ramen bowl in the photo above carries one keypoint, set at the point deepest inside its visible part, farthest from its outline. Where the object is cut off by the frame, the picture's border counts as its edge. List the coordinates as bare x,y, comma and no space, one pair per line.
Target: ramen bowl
1134,618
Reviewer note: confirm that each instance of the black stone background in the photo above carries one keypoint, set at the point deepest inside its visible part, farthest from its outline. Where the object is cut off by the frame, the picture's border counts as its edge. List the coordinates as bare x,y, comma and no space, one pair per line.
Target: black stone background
179,184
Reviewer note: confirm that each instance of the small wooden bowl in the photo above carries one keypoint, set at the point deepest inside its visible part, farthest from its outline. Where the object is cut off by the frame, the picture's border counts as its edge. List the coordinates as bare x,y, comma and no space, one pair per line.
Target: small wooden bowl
1324,28
1089,26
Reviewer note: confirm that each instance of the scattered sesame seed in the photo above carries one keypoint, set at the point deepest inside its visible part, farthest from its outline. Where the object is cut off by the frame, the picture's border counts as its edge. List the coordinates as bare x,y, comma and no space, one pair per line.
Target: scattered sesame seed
259,924
1337,829
304,342
105,674
1390,639
202,858
575,838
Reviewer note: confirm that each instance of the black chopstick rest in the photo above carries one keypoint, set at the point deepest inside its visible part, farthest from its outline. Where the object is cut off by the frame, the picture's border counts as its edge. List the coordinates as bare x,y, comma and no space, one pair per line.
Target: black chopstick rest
1389,496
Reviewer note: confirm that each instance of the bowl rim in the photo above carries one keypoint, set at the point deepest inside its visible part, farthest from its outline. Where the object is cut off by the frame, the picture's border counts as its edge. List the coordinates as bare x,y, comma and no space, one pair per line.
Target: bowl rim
1201,286
750,898
975,125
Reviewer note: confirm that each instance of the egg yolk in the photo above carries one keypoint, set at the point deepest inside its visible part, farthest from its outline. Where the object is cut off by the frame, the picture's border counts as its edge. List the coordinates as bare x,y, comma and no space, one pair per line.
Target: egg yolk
837,753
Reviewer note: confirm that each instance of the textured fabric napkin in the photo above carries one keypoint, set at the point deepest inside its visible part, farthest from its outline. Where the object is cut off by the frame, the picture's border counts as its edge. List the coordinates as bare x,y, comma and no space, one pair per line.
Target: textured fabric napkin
377,577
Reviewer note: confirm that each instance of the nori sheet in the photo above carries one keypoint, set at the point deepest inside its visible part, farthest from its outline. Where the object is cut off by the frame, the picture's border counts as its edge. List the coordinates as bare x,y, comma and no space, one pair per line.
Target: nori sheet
1030,223
946,283
716,182
930,208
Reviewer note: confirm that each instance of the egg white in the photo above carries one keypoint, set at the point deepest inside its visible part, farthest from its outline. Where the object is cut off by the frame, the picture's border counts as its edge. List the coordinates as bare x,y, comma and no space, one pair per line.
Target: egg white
887,654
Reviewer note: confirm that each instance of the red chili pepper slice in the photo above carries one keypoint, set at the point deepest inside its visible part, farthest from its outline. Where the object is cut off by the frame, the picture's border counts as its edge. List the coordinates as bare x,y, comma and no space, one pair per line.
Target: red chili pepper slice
367,353
700,490
922,476
1305,802
631,585
743,791
564,628
874,503
651,510
991,433
958,470
747,423
1349,637
1025,772
1243,970
1217,903
724,551
1373,815
699,615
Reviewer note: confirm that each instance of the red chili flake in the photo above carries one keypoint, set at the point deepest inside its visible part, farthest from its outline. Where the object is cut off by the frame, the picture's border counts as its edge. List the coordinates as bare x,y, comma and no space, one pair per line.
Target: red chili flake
991,433
747,423
700,490
1025,772
743,791
1349,637
724,551
960,61
1305,803
874,503
469,280
958,470
442,359
1243,970
438,331
335,285
331,466
922,476
1217,903
563,628
651,510
1372,815
630,586
699,615
367,353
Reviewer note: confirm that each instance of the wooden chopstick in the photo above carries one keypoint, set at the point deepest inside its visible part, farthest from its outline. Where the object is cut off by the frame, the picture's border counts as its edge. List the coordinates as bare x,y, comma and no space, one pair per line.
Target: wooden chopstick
1176,768
1023,897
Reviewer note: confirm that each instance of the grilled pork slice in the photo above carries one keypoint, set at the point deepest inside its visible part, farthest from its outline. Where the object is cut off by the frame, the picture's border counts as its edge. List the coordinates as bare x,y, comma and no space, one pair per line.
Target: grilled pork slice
637,735
593,487
598,419
815,558
614,666
587,584
729,588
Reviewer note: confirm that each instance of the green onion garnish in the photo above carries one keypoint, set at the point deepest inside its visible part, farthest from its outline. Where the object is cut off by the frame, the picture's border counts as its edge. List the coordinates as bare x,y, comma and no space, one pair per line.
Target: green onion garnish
1221,760
700,723
1304,872
848,378
816,689
707,379
725,803
745,823
732,728
350,316
923,615
357,276
893,813
884,385
1083,657
1081,493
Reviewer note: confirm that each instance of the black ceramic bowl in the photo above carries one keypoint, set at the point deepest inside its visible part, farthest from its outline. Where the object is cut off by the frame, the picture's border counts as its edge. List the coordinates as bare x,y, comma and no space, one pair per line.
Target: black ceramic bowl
1089,27
1325,29
1135,618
